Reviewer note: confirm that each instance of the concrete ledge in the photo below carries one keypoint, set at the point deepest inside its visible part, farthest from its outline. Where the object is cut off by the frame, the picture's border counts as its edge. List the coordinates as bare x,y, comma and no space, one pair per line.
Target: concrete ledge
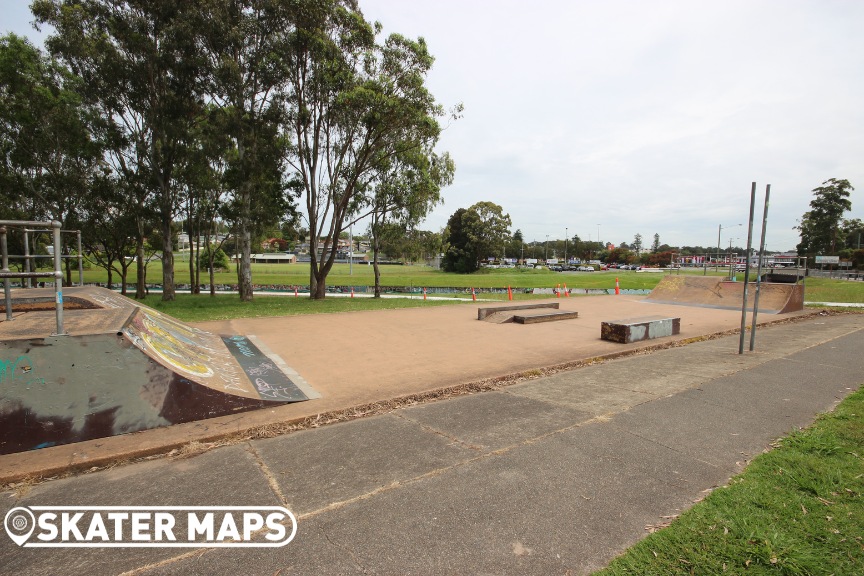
482,313
639,329
545,317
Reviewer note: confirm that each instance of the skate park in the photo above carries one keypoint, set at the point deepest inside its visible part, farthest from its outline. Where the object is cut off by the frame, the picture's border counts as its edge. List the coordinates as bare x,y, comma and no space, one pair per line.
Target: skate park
173,383
442,413
540,471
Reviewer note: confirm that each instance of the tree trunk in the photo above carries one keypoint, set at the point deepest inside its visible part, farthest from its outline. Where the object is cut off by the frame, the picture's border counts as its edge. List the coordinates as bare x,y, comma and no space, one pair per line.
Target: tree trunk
375,245
244,271
140,289
377,270
68,264
168,291
210,258
197,282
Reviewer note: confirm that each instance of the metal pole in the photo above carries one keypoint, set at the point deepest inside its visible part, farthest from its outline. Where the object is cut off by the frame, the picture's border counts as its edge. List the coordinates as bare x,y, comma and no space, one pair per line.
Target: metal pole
6,290
747,269
759,268
80,261
58,280
719,229
27,282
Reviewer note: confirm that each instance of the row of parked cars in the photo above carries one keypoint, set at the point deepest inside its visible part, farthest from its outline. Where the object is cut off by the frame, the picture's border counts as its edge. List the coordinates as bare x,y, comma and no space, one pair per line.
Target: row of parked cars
625,266
572,268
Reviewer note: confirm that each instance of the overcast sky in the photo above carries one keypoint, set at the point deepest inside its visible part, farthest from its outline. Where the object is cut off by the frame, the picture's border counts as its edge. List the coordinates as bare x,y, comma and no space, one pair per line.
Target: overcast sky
638,116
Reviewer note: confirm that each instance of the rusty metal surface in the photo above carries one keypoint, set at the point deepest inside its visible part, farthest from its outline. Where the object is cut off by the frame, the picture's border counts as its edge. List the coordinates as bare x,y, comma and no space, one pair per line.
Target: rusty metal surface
639,329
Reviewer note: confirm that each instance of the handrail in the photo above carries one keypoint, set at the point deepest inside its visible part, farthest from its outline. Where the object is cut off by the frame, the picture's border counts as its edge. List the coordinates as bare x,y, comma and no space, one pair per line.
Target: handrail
6,274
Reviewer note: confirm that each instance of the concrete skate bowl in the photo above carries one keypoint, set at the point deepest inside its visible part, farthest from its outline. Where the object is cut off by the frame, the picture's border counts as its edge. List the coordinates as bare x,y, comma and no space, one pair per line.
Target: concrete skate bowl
711,292
122,367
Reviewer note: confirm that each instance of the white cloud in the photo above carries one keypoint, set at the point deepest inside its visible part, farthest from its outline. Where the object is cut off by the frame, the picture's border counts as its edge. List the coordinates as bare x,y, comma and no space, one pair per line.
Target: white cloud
641,116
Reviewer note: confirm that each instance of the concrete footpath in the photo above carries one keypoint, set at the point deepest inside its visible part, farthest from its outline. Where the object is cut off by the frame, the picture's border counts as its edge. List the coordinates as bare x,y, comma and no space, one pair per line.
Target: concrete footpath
555,475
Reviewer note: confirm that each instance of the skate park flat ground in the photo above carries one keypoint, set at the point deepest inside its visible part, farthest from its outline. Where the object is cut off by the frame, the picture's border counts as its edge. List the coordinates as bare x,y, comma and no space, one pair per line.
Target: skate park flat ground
356,359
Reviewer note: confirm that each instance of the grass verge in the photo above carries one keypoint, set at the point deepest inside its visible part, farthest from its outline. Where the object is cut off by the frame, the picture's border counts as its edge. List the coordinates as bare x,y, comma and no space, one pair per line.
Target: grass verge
798,509
203,307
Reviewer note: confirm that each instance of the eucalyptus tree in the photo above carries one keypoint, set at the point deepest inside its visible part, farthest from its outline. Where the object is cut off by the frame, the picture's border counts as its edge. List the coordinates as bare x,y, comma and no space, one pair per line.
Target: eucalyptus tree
110,228
404,192
351,103
48,157
246,46
821,226
141,65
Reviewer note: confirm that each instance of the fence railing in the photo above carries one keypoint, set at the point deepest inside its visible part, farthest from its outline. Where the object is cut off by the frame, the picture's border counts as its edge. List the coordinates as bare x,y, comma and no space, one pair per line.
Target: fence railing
57,273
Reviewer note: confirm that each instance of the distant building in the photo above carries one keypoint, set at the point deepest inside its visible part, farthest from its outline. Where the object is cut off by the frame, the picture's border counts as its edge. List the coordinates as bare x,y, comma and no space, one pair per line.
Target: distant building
270,258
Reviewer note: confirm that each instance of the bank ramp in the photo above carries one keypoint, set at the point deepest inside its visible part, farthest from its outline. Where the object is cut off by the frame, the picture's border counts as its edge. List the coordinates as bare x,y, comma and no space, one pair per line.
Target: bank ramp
714,292
123,367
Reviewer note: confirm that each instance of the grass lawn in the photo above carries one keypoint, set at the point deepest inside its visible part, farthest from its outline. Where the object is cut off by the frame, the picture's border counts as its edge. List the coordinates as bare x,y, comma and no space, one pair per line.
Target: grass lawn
798,509
203,307
829,290
411,276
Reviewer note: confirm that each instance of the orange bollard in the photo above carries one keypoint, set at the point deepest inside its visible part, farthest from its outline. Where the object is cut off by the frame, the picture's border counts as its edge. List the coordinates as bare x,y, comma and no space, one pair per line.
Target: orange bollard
566,292
295,291
617,287
424,293
473,295
352,291
558,291
509,293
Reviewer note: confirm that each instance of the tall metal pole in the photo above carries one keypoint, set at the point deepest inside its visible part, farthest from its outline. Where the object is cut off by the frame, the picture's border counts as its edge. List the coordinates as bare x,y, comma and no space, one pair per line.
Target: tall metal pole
565,245
719,229
81,261
747,269
58,280
759,268
6,289
27,282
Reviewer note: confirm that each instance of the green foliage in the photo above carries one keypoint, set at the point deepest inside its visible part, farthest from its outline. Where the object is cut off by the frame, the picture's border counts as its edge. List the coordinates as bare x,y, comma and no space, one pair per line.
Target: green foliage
474,234
820,227
620,256
48,158
852,231
220,259
356,111
637,244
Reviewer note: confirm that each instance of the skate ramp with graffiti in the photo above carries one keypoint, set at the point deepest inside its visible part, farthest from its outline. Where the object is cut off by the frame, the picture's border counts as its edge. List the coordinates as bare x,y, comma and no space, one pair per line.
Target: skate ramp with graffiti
123,367
713,292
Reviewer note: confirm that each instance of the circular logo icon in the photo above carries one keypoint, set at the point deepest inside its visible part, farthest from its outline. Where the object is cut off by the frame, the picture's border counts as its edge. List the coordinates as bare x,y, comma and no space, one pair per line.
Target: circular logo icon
19,523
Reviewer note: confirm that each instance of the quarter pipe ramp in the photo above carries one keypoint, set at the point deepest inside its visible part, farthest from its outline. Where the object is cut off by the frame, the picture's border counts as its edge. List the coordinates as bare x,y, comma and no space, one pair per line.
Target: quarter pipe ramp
713,292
